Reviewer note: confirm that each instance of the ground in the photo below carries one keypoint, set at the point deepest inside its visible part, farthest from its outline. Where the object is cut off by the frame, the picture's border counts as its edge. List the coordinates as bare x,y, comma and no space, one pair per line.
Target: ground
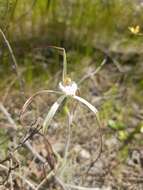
118,97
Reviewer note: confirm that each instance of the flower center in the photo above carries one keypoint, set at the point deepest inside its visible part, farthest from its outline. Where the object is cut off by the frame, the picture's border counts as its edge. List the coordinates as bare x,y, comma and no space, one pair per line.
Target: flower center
67,81
68,87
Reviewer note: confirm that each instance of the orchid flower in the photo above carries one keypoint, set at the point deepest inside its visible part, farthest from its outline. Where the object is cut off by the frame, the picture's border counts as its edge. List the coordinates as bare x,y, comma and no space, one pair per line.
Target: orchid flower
67,89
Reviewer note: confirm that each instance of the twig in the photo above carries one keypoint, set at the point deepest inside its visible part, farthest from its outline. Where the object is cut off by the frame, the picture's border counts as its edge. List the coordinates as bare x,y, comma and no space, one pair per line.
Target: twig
8,116
27,143
34,152
61,183
17,174
52,173
83,188
14,60
11,177
8,90
108,54
85,77
44,180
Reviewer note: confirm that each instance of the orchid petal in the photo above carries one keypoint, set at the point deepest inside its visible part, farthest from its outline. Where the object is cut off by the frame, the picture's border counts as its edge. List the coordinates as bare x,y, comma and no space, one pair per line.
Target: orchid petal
52,112
29,100
85,102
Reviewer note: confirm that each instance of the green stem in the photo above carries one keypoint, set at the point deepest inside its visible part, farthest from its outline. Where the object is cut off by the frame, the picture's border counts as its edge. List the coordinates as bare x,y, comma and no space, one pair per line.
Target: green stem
61,170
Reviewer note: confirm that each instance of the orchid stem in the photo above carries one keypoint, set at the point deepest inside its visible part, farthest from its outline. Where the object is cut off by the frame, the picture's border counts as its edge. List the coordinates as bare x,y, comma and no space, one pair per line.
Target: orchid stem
68,139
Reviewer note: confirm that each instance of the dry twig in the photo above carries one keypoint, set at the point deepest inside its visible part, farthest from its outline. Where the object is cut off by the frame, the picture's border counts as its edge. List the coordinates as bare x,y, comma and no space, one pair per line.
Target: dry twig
15,65
85,77
27,143
21,177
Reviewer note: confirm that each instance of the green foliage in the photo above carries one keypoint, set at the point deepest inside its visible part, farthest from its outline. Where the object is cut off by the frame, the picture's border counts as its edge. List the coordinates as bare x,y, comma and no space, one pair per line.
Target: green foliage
123,153
122,135
79,26
116,125
90,23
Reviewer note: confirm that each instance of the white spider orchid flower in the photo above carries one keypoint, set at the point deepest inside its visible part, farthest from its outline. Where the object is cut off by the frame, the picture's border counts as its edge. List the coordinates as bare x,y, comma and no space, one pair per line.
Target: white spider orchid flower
68,89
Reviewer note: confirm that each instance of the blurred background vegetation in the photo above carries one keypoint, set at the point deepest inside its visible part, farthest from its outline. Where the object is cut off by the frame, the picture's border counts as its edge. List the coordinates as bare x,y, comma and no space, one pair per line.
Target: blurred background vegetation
82,27
89,30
